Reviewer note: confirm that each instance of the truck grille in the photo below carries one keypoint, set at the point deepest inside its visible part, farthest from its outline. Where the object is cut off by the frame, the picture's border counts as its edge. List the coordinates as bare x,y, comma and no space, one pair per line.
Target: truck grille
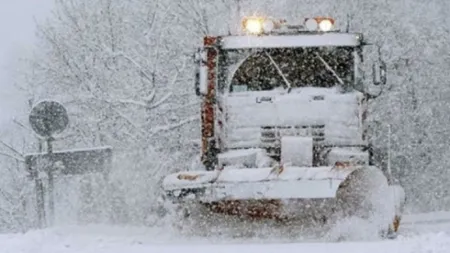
271,135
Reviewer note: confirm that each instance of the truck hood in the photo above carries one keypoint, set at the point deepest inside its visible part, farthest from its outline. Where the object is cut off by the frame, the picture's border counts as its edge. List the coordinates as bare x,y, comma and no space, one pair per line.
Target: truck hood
248,112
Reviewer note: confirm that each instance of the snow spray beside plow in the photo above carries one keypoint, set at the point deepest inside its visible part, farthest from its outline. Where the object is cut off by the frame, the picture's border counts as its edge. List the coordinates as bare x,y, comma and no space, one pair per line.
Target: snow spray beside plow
284,128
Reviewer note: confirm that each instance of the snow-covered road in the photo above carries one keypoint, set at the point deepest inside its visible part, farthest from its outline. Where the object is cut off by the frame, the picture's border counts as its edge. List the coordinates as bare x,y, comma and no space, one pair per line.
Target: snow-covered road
415,237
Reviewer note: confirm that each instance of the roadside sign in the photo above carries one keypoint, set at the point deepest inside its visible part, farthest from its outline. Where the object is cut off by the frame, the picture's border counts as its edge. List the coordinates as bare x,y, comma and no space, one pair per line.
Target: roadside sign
48,118
71,162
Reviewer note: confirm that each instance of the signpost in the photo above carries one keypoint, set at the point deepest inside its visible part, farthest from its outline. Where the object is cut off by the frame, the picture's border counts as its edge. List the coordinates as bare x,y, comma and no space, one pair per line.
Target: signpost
47,119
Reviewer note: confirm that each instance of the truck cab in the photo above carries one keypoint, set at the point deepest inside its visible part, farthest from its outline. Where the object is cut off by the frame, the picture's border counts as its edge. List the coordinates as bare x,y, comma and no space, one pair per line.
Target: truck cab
276,81
284,131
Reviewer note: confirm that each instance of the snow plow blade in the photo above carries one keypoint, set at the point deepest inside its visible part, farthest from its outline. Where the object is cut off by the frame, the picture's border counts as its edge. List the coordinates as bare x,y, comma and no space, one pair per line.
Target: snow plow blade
261,183
289,193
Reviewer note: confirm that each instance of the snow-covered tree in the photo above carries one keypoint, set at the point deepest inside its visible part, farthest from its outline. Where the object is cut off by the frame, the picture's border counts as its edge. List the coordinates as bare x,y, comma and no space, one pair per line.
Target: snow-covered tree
122,72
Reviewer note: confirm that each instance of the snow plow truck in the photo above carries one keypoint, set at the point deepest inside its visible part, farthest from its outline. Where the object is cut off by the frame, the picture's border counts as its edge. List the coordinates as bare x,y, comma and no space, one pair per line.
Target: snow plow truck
284,127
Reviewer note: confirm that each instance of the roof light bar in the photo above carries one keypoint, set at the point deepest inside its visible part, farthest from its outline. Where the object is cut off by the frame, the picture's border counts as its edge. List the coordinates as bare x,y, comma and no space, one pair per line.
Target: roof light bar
319,24
257,25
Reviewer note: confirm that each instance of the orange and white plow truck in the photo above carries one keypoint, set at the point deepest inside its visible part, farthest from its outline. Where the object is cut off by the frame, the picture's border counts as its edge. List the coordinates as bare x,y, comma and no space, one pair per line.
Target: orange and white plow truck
284,127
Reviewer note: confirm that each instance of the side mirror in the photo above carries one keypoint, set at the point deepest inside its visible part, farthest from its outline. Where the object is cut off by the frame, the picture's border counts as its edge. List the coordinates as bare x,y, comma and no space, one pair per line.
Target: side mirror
379,73
201,72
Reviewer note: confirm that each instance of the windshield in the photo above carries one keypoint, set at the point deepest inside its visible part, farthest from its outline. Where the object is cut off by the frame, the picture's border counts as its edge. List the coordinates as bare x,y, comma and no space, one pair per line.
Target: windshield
269,69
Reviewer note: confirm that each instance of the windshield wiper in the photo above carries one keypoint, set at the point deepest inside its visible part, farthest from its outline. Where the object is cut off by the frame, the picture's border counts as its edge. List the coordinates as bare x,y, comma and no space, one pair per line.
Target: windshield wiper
329,68
288,84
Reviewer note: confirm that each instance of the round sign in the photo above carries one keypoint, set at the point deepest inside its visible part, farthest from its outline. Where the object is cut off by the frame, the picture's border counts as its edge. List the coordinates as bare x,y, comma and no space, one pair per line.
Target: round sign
48,118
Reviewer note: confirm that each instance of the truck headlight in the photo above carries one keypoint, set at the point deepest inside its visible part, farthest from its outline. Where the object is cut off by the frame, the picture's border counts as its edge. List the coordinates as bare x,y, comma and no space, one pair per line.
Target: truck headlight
311,24
319,24
253,25
325,25
259,25
268,25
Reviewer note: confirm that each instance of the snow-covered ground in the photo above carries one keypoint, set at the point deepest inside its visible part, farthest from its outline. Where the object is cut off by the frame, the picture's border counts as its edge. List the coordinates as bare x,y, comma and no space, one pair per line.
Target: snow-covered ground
415,237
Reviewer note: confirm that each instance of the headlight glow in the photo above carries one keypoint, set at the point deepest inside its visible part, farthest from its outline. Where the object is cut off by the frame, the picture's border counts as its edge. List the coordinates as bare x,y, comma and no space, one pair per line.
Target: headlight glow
325,25
253,25
258,25
319,24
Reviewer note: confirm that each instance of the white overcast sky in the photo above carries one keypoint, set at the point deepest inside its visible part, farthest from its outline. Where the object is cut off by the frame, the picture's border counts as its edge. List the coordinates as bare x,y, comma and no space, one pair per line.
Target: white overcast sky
17,27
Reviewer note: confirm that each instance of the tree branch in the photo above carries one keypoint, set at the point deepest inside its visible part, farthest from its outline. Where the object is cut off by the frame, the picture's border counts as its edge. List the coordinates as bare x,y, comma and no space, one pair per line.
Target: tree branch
160,102
136,126
11,148
12,157
170,127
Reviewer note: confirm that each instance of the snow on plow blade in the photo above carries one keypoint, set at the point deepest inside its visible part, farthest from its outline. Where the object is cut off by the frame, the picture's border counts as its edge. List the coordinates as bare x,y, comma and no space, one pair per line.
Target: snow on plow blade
257,184
299,195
